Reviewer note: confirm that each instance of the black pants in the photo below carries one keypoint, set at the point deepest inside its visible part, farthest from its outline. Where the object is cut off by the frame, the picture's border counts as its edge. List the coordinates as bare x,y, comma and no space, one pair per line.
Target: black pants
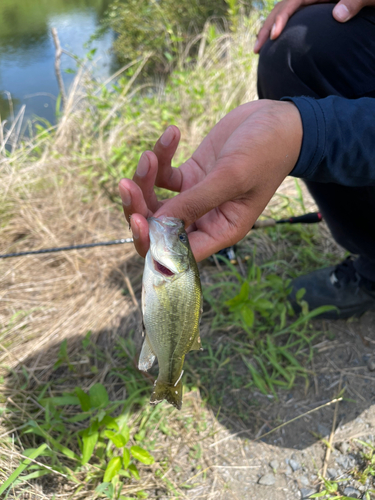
317,56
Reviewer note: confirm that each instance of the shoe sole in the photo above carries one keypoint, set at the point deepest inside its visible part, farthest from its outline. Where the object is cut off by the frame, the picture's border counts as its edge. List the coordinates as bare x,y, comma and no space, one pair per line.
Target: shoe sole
343,314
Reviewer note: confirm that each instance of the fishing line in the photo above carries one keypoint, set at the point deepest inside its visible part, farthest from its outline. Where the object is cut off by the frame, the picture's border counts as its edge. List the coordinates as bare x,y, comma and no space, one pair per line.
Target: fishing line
72,247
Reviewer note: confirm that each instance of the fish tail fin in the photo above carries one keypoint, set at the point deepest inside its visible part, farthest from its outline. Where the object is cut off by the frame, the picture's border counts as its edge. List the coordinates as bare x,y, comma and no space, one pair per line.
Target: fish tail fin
172,393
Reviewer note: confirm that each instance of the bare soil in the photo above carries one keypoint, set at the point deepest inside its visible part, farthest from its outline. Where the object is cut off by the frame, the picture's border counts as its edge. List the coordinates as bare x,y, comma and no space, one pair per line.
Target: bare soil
342,360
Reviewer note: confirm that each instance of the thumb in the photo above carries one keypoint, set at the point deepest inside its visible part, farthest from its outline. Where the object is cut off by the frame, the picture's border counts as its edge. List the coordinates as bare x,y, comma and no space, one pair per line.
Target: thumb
208,194
346,9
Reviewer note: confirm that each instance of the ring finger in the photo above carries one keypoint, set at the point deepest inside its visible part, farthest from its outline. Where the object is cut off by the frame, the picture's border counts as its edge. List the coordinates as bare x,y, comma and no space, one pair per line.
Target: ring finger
145,177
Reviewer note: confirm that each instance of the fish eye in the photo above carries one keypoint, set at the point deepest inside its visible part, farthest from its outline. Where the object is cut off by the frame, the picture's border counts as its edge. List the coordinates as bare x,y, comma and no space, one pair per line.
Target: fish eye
182,238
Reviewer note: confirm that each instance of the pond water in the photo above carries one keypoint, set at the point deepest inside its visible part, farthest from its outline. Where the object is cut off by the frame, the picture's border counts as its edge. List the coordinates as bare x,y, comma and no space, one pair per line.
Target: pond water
27,52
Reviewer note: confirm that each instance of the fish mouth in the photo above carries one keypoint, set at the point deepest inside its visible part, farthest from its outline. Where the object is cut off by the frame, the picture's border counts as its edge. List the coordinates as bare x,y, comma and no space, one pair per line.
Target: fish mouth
162,269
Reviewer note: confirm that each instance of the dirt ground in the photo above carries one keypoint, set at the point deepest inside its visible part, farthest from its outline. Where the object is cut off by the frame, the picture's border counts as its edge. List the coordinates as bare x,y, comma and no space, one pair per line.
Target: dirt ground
291,458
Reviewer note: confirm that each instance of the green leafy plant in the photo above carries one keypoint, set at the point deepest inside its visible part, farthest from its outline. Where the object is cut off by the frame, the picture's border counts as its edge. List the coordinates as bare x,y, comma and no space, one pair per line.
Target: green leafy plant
105,435
369,462
97,443
330,491
257,303
104,440
83,435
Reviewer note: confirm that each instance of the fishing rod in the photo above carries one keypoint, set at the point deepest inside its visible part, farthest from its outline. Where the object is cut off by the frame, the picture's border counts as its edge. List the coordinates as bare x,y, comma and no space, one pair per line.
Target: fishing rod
64,249
310,218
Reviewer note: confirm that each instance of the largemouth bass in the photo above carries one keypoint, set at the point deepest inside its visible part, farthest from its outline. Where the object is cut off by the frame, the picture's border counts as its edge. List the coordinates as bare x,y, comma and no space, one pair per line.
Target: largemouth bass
171,307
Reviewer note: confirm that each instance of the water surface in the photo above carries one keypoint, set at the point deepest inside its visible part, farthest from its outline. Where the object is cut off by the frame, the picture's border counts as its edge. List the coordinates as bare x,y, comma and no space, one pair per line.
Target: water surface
27,52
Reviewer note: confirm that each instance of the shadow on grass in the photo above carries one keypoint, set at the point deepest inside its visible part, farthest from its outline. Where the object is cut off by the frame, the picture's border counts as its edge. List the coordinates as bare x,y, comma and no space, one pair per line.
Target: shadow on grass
109,357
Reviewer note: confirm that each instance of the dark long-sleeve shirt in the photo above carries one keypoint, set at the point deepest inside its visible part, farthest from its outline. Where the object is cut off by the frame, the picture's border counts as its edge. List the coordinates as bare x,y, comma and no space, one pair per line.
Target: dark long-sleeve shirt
338,140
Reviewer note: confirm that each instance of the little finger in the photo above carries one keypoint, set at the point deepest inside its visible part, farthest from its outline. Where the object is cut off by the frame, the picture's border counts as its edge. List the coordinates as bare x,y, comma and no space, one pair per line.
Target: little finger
133,200
139,227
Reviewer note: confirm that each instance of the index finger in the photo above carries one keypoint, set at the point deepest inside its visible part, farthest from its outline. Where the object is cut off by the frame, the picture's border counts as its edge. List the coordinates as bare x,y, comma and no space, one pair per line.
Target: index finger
264,32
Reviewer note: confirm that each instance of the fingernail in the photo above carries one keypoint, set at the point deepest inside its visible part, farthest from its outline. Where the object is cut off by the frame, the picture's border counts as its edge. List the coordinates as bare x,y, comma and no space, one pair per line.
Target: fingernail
143,166
167,137
135,229
273,31
341,12
125,197
256,46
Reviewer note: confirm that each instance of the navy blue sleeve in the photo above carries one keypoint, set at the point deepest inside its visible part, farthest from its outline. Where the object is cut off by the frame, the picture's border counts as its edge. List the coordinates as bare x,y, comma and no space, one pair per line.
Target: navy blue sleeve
338,142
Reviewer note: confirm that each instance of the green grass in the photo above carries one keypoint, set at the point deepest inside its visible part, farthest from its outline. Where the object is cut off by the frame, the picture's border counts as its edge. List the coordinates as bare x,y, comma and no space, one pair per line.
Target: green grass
366,471
86,436
256,341
94,441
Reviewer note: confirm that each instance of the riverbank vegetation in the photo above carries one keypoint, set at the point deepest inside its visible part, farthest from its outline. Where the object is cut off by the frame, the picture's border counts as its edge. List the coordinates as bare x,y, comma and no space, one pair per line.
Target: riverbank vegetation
74,413
168,30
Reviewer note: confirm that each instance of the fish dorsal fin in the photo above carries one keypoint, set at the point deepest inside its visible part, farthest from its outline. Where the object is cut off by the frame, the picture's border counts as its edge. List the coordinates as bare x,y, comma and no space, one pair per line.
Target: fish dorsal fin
197,344
147,357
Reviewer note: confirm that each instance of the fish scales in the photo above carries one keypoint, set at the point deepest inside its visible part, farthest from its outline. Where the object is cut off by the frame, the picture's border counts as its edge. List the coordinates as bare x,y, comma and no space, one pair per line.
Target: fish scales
174,319
171,306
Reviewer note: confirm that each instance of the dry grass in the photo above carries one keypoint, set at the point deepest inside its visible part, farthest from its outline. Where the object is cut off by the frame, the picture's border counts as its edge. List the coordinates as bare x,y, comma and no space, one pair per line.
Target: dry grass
46,298
47,201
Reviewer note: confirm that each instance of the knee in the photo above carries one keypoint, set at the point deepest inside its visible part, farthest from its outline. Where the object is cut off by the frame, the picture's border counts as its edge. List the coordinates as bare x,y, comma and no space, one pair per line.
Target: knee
288,62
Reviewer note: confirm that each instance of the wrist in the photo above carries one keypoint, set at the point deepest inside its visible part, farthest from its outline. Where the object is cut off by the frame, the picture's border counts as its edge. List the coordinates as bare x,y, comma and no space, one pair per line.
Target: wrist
284,136
294,134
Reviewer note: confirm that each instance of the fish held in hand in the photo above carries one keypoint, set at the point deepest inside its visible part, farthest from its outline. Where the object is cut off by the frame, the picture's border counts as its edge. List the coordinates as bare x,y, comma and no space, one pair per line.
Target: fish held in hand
171,307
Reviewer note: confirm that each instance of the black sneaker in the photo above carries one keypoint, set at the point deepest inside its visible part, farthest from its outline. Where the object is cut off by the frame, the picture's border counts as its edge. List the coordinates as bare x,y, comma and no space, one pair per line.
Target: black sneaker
340,286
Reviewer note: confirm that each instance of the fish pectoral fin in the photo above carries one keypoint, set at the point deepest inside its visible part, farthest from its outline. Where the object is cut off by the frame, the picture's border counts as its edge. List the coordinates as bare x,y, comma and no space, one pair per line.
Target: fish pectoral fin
147,356
197,344
172,393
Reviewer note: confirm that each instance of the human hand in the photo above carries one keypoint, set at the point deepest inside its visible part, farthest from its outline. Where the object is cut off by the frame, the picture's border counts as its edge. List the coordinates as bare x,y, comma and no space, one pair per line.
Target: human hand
226,183
280,14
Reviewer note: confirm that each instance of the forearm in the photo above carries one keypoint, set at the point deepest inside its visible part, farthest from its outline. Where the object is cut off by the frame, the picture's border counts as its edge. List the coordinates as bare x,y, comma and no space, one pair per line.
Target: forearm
338,140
